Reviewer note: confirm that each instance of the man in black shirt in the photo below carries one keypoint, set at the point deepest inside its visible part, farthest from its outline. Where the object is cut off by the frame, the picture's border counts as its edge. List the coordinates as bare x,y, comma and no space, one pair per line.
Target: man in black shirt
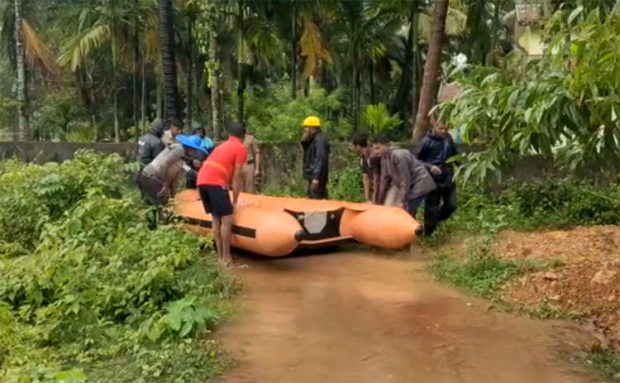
434,151
371,167
150,145
316,158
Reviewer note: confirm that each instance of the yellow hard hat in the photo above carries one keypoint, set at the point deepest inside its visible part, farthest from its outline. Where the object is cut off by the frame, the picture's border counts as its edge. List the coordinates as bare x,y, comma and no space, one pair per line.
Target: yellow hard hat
312,121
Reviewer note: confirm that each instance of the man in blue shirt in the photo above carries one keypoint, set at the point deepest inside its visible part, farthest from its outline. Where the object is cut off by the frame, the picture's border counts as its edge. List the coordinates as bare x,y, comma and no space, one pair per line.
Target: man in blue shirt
434,151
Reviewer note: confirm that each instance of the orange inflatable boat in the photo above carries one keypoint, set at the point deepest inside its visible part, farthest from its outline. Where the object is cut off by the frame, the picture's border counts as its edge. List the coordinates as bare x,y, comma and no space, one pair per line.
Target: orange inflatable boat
276,226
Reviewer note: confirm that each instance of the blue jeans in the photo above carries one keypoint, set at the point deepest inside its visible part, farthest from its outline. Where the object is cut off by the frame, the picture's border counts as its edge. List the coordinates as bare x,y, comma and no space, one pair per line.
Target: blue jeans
413,205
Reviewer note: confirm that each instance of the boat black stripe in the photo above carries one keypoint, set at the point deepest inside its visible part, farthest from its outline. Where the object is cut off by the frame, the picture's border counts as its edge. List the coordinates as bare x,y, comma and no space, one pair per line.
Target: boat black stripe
239,230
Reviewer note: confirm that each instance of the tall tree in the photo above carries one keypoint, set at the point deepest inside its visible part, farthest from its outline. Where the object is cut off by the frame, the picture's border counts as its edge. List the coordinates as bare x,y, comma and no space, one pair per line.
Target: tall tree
168,58
294,49
431,71
109,22
136,70
240,66
214,73
22,86
415,56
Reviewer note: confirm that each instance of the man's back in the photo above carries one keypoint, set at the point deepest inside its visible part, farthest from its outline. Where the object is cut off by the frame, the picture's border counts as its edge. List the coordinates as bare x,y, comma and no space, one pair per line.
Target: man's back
149,147
219,166
401,168
173,155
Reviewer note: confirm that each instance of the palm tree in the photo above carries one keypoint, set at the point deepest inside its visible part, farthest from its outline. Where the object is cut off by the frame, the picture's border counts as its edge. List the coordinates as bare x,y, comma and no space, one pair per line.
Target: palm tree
431,71
25,49
108,22
22,94
365,29
168,58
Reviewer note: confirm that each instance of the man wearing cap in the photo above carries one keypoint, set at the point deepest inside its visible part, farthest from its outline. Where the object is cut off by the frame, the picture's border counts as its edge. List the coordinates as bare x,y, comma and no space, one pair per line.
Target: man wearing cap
157,181
223,168
316,158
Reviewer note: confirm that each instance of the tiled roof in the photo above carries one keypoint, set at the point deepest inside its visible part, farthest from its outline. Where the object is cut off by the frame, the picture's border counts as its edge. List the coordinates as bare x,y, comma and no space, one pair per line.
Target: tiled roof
448,91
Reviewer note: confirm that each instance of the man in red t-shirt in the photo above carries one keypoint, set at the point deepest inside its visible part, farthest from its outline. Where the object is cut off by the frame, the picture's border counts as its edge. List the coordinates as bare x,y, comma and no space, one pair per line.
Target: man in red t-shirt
223,167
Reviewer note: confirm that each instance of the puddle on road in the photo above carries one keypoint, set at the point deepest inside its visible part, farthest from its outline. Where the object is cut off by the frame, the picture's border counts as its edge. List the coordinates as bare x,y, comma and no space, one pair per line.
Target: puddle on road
355,317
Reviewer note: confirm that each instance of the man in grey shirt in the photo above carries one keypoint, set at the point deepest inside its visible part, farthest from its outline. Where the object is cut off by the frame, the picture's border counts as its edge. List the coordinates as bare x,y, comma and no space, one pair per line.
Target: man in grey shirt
400,168
158,179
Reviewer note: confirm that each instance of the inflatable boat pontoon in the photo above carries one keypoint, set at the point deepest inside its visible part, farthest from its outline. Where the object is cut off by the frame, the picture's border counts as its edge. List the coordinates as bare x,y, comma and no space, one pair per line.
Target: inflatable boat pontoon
276,226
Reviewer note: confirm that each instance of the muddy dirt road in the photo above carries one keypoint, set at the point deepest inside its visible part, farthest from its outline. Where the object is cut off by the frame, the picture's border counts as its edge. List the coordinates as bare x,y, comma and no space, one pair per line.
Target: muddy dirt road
355,317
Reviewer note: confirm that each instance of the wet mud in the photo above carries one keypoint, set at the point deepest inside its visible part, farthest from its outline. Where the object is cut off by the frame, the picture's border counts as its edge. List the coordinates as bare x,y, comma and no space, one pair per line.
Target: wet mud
361,317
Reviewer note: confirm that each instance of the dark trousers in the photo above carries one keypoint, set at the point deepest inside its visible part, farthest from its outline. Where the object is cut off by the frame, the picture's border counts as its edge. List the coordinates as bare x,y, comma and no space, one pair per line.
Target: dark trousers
439,206
149,188
320,192
414,204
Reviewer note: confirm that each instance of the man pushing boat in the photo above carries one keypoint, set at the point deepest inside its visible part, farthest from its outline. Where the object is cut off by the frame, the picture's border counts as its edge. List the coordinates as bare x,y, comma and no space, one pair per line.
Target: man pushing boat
401,169
223,167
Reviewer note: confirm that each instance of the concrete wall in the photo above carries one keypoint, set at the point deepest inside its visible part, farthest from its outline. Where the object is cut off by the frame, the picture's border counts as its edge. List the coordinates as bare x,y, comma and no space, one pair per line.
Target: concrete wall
42,152
280,163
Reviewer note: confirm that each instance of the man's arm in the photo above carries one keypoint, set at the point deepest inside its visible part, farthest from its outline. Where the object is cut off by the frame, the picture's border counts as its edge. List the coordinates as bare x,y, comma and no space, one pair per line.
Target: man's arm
237,180
384,181
376,186
256,150
422,151
236,184
404,177
366,182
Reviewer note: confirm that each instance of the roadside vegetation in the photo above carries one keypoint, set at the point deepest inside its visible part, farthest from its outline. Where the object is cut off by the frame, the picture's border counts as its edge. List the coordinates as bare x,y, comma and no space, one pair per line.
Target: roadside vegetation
89,293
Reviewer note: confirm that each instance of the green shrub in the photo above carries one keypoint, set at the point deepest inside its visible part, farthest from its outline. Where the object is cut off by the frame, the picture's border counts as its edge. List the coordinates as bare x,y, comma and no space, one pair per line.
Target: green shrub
536,204
377,119
273,116
481,273
32,195
98,288
346,185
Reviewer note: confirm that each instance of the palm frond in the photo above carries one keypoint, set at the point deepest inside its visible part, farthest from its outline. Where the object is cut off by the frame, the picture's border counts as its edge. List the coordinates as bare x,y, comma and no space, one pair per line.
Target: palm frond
312,47
79,47
81,134
261,37
151,47
38,54
7,32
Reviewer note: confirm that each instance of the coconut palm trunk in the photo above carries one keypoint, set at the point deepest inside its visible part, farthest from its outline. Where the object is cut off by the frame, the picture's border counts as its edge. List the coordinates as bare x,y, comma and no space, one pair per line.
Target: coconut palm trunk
166,29
294,51
136,74
415,59
117,133
23,132
431,71
240,68
190,70
214,80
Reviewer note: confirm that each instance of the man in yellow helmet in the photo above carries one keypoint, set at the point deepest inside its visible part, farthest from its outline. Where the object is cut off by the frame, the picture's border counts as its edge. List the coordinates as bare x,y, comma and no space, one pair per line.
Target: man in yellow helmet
316,158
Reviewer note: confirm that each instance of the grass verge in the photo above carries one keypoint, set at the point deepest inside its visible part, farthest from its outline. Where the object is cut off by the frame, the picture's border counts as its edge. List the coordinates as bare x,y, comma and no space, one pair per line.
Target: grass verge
606,363
481,273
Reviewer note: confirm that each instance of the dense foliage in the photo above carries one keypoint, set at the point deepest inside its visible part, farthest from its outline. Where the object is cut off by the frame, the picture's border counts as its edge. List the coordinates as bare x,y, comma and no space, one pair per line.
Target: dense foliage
100,62
544,203
87,285
563,106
